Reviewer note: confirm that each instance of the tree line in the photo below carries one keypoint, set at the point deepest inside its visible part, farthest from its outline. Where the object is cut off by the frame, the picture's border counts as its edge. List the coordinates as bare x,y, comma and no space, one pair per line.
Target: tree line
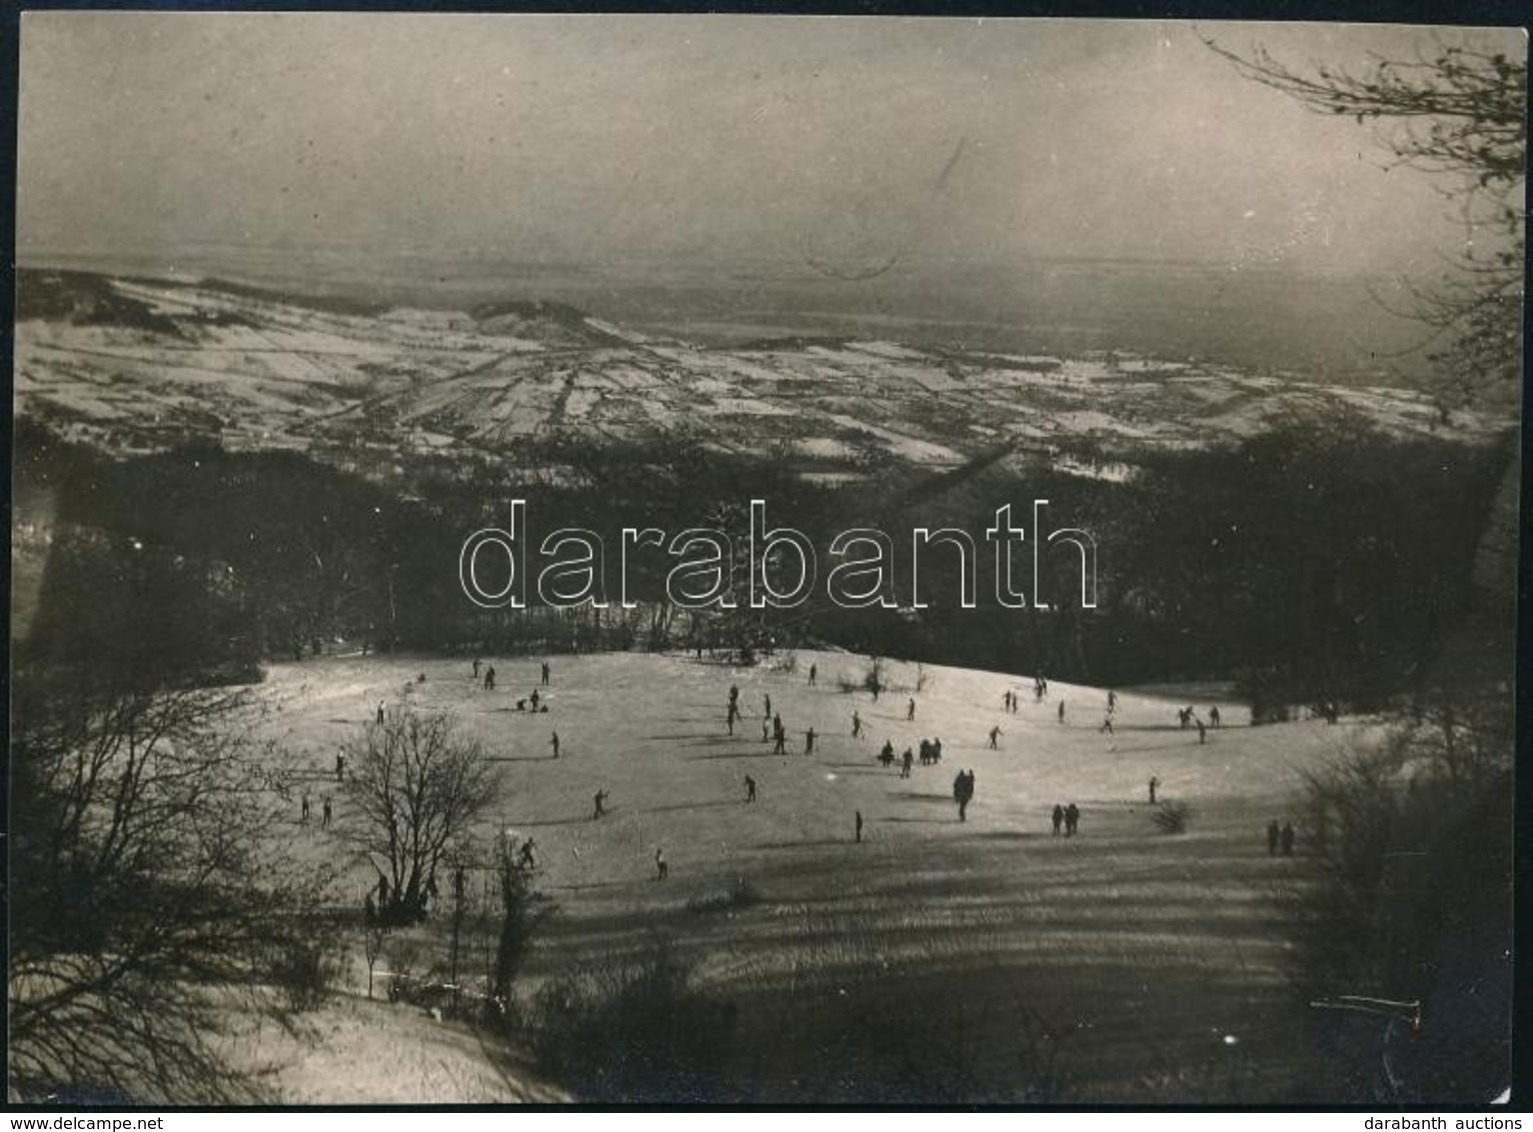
1308,562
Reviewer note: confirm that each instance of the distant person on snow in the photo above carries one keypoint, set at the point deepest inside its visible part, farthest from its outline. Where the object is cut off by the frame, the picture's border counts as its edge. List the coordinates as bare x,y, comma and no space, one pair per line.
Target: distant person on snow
814,674
379,716
963,792
1202,731
750,789
906,759
1061,711
324,820
858,819
1154,784
305,813
476,668
809,741
1072,819
1213,716
766,704
533,699
546,672
489,678
1058,817
766,730
910,712
995,733
340,768
856,726
662,870
554,743
600,799
1112,699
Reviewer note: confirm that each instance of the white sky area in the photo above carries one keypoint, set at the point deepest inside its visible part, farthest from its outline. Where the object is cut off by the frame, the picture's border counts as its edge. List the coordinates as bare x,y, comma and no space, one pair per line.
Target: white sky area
698,140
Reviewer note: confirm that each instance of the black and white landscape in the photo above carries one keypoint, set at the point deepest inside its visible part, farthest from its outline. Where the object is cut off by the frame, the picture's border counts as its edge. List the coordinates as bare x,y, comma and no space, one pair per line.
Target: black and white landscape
305,300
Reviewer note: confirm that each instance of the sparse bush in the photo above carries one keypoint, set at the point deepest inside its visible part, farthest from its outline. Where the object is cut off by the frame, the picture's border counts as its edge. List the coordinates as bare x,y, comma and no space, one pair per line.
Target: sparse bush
874,679
640,1032
741,894
1172,817
306,974
1408,894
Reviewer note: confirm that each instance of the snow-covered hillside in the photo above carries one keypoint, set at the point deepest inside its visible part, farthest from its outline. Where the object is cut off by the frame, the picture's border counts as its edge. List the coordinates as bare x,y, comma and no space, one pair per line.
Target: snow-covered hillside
137,365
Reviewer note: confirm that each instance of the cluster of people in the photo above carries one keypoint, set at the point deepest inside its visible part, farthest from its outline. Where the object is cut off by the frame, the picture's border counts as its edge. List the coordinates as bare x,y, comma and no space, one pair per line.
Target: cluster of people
1067,818
1186,717
1009,701
488,680
326,811
931,752
396,905
1279,838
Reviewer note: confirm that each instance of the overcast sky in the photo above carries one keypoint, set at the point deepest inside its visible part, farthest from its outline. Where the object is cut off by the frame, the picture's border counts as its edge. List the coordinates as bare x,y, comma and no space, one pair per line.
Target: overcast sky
697,139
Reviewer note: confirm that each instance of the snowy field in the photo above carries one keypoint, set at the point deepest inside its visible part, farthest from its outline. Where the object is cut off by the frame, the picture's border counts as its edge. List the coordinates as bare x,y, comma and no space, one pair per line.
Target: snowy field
269,372
1156,960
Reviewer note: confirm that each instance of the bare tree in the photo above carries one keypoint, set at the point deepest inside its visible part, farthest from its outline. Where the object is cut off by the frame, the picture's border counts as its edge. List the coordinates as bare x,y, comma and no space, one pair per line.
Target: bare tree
1456,111
149,906
417,787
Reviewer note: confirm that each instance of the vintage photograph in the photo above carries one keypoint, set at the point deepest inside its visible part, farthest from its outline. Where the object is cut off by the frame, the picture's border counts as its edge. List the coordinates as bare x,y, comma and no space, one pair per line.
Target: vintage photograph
717,559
